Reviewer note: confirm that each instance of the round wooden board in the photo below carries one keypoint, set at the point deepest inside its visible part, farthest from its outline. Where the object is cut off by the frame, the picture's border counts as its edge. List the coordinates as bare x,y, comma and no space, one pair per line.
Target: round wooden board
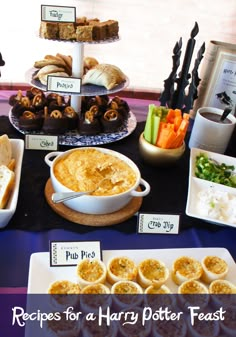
91,219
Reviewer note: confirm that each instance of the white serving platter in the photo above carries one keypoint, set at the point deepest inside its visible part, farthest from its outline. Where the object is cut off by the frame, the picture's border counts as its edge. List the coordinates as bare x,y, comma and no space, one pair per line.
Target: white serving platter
17,153
40,265
195,185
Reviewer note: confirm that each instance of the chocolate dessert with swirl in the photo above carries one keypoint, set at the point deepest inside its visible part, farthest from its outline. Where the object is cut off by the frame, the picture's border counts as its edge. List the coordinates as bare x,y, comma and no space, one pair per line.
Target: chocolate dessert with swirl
54,122
111,120
52,113
89,123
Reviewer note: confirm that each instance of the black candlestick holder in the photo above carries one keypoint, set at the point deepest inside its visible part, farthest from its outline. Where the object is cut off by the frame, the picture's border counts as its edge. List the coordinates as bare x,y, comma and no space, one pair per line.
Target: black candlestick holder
175,87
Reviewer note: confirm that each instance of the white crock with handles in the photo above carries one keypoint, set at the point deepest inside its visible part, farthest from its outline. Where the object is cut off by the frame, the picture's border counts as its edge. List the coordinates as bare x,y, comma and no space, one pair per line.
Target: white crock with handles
92,204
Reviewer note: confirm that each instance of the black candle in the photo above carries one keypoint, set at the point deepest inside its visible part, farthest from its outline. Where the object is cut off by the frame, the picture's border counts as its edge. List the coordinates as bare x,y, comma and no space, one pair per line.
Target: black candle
189,52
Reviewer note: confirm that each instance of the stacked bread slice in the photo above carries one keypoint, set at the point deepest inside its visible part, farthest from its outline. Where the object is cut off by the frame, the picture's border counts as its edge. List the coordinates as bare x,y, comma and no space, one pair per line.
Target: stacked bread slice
7,175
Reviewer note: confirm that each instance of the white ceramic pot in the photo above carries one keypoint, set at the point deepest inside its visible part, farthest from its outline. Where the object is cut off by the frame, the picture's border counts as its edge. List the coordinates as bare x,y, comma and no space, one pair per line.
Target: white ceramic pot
92,204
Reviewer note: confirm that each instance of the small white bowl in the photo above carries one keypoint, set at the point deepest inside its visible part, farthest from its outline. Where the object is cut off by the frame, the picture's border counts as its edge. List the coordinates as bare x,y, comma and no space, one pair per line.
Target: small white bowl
92,204
17,153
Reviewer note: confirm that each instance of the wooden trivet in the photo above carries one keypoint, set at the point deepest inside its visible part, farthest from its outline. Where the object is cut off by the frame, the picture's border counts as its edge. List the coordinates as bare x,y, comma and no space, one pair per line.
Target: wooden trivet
91,219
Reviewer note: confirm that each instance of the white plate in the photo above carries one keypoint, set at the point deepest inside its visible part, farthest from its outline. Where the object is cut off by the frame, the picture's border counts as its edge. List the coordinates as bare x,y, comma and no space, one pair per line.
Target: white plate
40,264
195,185
73,138
17,153
86,90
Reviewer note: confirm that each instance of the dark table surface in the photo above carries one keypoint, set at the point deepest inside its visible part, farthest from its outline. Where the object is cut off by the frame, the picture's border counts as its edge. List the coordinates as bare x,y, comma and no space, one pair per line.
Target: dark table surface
34,223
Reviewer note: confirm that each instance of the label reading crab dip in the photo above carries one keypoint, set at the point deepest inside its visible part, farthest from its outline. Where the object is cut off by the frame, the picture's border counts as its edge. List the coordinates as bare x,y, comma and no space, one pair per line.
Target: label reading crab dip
83,171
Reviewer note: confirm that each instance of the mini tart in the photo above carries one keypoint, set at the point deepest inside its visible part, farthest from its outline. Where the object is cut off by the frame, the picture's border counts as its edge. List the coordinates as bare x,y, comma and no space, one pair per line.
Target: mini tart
64,293
214,268
162,290
166,298
228,325
186,268
138,329
169,328
203,328
126,288
187,294
100,297
222,287
91,271
63,327
152,272
64,287
97,288
127,293
192,287
121,268
93,328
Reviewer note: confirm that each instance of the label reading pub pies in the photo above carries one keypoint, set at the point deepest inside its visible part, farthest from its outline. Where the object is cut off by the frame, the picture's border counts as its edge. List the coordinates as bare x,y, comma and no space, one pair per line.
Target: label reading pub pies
41,142
69,253
58,13
155,223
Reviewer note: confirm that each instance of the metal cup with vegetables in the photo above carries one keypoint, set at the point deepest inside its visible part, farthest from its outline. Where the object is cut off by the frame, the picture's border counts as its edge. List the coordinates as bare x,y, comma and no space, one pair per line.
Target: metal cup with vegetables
162,141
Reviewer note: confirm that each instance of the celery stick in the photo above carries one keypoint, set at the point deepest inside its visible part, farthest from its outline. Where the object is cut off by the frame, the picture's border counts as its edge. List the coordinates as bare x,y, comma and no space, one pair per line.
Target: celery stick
148,126
155,128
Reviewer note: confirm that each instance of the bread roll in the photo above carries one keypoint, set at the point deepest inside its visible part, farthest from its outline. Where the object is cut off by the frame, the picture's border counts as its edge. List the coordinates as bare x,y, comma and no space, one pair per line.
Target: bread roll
7,178
5,150
106,75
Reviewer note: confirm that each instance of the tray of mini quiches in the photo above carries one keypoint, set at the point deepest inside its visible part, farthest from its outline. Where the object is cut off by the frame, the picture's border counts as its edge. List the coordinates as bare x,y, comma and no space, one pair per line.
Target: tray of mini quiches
136,279
102,119
212,187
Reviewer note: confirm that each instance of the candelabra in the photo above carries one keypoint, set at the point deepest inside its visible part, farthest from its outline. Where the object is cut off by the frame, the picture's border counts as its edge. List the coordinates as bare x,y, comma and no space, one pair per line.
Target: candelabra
175,95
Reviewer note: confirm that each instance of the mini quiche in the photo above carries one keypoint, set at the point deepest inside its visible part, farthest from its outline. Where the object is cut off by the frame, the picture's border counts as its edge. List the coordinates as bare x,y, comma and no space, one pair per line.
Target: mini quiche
169,328
96,289
91,271
192,287
162,290
222,287
222,293
139,329
152,272
187,292
203,328
62,327
100,297
64,293
126,294
98,329
121,268
186,268
228,325
167,298
64,287
214,268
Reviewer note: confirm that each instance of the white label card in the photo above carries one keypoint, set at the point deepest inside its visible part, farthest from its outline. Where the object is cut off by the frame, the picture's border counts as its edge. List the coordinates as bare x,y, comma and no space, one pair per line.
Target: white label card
69,85
41,142
155,223
69,253
58,13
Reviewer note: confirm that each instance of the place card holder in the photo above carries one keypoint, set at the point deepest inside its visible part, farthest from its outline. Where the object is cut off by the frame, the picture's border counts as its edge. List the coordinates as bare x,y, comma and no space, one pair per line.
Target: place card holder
69,253
157,223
